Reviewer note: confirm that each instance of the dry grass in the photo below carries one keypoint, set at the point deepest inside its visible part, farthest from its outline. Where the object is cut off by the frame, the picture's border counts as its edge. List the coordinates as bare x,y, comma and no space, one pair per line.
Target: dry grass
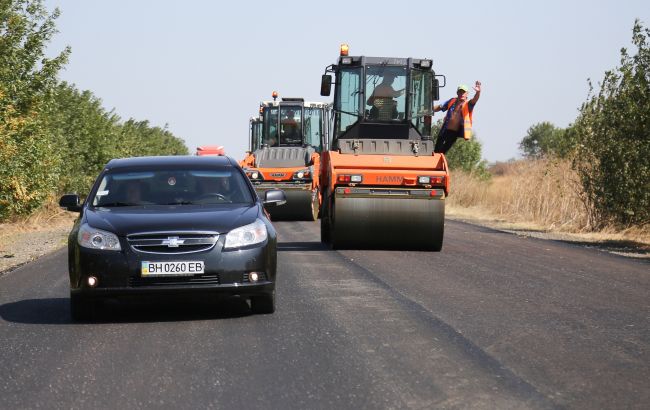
536,195
49,217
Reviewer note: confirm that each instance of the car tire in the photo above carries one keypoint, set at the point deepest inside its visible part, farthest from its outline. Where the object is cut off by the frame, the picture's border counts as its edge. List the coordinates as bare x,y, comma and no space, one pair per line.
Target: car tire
82,309
263,304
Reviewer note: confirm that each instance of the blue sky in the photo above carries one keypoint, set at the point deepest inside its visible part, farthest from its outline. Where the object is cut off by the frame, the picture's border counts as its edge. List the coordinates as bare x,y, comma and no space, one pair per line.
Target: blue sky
201,67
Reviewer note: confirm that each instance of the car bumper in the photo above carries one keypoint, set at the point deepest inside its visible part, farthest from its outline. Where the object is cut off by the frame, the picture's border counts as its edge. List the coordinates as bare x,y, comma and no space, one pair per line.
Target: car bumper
225,273
243,289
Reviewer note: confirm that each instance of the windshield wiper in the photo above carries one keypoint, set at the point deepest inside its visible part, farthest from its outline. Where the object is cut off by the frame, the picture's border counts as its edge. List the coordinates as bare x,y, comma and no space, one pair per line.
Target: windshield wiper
114,204
181,203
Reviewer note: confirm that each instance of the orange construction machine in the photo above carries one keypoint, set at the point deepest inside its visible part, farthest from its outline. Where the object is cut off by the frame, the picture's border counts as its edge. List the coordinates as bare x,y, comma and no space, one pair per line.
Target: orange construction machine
254,141
382,184
285,146
210,150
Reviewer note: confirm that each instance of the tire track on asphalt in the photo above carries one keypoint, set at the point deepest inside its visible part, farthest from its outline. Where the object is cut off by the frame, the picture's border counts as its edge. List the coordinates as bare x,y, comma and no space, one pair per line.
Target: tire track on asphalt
505,377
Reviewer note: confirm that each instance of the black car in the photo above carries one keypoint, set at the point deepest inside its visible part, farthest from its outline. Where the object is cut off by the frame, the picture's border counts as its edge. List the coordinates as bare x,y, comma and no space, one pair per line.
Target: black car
171,225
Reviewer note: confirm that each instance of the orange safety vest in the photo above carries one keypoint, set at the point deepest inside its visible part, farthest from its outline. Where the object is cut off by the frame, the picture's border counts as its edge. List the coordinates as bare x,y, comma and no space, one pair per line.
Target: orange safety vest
467,118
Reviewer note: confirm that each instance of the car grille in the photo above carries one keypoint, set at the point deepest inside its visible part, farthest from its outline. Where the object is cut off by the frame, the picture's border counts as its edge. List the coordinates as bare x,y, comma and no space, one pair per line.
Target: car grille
137,282
172,242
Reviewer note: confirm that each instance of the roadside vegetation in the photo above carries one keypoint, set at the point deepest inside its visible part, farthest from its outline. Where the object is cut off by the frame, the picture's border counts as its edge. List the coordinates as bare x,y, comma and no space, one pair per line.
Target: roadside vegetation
54,138
592,176
543,192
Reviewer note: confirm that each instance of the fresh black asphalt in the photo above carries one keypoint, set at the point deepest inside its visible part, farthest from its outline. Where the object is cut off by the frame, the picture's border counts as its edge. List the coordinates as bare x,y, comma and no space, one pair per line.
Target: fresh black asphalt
495,320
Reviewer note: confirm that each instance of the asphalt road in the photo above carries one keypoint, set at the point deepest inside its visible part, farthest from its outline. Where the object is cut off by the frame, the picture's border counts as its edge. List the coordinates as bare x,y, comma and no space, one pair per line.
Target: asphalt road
492,321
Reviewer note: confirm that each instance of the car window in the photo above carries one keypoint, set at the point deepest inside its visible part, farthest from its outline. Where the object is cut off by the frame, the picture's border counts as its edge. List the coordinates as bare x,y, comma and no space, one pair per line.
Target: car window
172,187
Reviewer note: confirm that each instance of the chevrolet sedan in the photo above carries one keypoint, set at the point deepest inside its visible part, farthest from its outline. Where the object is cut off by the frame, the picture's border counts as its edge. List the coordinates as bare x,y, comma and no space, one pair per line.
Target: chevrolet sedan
164,226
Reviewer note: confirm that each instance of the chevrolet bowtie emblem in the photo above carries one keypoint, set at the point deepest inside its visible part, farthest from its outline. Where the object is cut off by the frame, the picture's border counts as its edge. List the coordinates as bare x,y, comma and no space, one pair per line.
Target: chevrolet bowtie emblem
173,242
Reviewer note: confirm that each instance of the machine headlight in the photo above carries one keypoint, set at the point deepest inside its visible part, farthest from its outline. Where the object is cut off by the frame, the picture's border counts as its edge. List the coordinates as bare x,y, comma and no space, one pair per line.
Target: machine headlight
246,235
253,174
301,174
93,238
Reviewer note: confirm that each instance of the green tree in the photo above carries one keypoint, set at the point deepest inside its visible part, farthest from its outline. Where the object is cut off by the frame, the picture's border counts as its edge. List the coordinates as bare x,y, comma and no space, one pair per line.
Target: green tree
139,138
25,30
53,137
465,155
28,166
613,132
539,138
88,136
544,139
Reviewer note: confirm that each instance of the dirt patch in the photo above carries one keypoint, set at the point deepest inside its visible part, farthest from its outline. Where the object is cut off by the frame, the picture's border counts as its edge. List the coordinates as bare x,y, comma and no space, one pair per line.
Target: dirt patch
26,240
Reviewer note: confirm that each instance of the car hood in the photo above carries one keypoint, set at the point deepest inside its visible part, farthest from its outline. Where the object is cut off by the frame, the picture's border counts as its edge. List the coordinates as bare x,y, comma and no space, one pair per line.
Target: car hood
158,218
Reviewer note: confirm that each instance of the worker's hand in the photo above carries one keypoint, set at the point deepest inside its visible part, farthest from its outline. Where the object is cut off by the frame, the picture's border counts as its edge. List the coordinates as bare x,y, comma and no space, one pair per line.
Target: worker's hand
477,87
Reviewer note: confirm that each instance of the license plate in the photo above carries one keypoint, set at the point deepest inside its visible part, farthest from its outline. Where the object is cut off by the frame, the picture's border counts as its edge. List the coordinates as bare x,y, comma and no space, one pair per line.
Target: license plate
171,268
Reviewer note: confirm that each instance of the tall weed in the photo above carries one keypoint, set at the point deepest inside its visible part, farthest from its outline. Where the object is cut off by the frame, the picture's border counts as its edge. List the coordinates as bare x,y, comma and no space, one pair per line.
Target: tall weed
545,192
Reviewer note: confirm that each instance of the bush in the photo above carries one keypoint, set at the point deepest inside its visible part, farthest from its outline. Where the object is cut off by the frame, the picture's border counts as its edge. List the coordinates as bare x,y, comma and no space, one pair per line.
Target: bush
29,168
613,131
465,155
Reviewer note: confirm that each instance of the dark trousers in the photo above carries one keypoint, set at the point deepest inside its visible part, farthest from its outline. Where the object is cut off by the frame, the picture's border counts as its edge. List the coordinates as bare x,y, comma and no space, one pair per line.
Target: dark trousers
446,139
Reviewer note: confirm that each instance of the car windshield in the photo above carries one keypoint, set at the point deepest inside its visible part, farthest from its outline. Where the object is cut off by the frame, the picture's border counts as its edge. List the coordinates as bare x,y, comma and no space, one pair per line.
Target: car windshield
171,187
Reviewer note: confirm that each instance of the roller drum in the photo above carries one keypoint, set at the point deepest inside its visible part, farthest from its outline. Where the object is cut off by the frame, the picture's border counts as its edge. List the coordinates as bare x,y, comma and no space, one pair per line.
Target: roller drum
299,206
388,223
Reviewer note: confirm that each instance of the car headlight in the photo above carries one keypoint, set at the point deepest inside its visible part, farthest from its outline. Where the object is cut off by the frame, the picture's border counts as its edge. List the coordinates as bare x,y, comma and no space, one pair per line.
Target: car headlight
246,235
93,238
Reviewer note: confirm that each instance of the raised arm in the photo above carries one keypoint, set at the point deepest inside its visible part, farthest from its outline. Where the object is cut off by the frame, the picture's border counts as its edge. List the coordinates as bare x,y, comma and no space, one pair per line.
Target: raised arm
438,107
477,93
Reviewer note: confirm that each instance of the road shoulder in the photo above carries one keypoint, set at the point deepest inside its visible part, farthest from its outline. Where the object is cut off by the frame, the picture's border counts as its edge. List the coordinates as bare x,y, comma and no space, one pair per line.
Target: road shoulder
615,243
21,243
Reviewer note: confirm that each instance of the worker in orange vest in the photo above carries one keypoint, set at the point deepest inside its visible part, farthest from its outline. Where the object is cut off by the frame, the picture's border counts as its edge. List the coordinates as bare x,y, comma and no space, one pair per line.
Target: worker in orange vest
458,120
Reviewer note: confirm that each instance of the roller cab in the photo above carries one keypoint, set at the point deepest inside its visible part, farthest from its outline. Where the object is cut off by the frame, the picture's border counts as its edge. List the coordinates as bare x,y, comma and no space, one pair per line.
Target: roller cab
286,155
383,186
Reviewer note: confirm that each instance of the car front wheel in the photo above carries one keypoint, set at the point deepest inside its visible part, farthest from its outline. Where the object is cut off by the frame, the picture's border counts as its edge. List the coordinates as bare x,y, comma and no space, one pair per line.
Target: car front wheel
82,309
263,304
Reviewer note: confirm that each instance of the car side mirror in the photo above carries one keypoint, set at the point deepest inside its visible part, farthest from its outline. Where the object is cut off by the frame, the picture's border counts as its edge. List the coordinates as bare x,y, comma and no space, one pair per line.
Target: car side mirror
275,197
326,85
70,202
